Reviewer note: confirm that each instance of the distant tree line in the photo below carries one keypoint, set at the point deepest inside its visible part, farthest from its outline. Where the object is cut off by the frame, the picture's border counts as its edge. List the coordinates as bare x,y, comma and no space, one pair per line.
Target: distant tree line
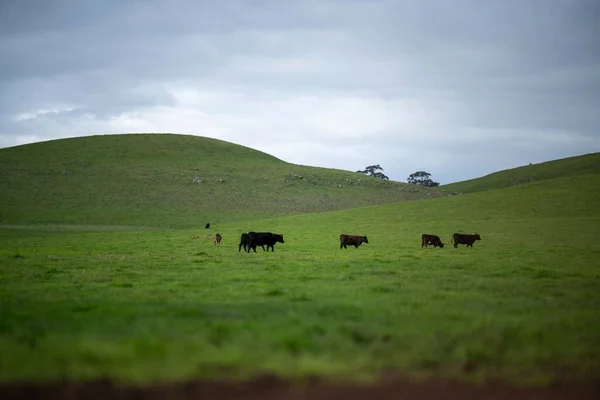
371,170
420,178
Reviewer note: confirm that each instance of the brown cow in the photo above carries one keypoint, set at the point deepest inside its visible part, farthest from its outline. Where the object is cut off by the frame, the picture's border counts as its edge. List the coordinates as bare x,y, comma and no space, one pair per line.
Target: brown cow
463,238
217,239
352,240
431,239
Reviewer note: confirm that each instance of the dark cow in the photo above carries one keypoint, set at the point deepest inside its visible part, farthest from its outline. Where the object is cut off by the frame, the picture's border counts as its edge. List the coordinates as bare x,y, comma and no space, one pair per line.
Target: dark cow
207,225
263,238
244,241
431,239
463,238
352,240
217,239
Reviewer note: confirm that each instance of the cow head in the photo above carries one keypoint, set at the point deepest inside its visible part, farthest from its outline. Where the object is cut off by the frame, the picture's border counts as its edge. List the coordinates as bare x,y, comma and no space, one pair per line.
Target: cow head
477,237
441,245
278,238
365,239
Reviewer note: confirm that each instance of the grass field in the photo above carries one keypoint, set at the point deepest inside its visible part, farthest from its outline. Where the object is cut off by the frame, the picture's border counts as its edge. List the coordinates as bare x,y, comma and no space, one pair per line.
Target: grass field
571,166
149,180
143,304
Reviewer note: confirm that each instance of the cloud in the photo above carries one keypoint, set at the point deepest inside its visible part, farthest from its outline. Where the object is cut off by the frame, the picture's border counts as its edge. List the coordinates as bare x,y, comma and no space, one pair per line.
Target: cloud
456,91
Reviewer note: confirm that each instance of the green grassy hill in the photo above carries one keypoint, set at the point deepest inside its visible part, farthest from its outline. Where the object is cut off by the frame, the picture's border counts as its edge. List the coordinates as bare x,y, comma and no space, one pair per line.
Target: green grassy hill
172,180
580,165
85,296
168,304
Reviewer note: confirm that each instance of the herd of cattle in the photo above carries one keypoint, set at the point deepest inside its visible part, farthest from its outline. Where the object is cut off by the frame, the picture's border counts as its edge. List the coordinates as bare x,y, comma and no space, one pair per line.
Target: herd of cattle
251,240
457,238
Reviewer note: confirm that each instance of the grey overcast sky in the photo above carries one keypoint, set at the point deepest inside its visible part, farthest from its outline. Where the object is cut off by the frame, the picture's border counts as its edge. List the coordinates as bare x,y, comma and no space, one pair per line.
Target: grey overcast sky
457,88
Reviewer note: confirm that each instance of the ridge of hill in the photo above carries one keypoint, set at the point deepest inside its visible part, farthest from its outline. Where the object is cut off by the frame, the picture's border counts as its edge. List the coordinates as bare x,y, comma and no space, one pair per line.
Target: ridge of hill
564,167
173,180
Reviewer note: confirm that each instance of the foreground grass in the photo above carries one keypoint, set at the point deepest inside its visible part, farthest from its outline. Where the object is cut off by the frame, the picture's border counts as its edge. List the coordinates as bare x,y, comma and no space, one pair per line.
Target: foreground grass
168,304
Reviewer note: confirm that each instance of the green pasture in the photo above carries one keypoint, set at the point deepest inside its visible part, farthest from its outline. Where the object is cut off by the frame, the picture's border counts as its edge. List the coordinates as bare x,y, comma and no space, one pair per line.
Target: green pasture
172,181
565,167
142,303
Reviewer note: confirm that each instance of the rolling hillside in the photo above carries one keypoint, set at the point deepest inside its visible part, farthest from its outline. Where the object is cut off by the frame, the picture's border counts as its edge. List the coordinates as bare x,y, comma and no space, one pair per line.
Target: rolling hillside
137,304
144,305
572,166
172,180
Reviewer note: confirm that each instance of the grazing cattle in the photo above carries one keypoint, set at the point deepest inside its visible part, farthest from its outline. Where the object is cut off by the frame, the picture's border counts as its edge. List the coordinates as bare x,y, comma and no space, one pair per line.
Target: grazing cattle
431,239
352,240
463,238
207,225
244,241
263,238
217,239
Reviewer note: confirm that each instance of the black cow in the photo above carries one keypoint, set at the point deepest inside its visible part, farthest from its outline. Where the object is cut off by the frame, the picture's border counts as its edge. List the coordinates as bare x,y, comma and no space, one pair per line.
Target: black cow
352,240
263,238
244,242
431,239
463,238
207,225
